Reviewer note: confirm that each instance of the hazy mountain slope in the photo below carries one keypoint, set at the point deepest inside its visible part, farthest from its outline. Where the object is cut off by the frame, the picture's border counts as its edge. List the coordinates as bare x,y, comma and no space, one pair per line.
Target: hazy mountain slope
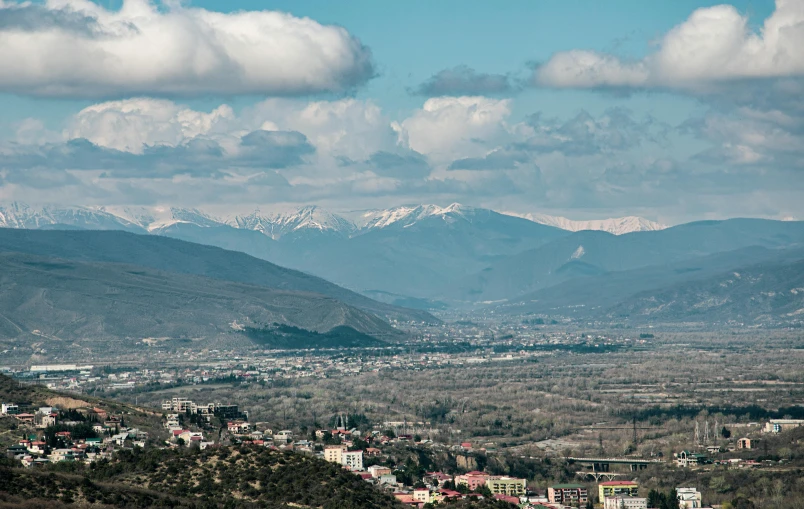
419,256
585,252
183,257
586,296
116,306
760,293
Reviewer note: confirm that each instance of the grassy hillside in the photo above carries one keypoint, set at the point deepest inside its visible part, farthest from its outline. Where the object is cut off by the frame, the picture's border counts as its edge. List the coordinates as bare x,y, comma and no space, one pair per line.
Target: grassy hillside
111,306
173,255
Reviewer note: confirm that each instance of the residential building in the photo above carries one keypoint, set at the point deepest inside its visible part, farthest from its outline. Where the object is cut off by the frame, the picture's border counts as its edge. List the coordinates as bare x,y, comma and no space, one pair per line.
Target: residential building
504,485
617,488
334,453
472,480
567,494
622,502
353,460
283,436
377,471
421,495
746,443
688,498
689,459
10,409
61,455
780,425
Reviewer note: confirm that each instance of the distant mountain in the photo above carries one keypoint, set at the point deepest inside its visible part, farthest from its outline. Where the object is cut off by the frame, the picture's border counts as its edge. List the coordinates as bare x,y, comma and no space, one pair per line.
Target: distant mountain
173,255
588,295
113,307
617,226
588,253
756,294
306,219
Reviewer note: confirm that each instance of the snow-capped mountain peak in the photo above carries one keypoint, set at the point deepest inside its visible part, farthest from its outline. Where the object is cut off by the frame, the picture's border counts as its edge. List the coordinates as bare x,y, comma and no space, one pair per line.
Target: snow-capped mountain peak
310,217
617,225
407,215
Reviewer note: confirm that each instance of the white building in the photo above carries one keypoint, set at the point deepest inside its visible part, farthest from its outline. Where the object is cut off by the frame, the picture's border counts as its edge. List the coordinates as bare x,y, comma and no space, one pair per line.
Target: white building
625,502
779,425
353,460
688,498
10,409
284,436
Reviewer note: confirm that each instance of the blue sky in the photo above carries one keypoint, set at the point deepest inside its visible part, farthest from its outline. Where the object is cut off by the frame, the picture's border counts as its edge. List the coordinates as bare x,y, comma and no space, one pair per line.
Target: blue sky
671,110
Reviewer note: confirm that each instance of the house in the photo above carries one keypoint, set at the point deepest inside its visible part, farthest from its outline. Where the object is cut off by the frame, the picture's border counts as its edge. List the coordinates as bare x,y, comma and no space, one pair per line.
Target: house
436,478
44,420
689,459
61,455
238,427
421,495
567,494
377,471
688,498
504,485
507,498
472,480
780,425
617,488
10,409
26,418
371,452
283,436
353,460
623,502
389,479
746,443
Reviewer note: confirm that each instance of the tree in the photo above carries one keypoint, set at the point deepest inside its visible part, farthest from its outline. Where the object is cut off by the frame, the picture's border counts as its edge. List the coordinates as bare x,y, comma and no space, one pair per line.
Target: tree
725,433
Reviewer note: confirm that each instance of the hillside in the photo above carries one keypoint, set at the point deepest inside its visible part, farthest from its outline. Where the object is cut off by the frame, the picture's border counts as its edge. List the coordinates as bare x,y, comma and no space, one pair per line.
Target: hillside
60,304
591,253
177,256
588,294
760,293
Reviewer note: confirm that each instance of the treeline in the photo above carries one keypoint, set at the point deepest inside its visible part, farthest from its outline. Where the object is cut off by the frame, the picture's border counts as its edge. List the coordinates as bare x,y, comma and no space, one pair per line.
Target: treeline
751,412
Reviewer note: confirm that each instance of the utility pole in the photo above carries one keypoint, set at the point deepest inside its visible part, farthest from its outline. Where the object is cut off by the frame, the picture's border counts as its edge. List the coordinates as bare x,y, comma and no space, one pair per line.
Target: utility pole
635,432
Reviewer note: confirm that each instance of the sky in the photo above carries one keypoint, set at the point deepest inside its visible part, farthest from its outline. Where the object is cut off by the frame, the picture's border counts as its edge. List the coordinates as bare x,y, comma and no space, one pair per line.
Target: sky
674,111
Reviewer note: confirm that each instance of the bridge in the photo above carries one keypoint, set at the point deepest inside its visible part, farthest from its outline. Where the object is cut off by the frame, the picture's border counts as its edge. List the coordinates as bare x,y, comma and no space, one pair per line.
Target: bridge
603,465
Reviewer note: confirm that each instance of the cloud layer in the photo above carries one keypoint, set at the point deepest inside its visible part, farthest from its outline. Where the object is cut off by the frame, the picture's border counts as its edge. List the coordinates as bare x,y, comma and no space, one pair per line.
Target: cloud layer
463,80
714,45
76,48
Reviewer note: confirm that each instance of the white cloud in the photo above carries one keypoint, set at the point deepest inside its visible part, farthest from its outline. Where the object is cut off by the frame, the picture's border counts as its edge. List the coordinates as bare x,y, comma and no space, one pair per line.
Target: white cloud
77,48
130,125
348,128
449,127
715,44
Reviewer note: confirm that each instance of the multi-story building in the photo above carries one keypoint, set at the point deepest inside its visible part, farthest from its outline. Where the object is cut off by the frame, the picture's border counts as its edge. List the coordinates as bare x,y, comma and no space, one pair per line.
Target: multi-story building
334,454
353,460
690,459
746,443
472,480
422,495
567,494
503,485
378,471
617,488
625,503
688,498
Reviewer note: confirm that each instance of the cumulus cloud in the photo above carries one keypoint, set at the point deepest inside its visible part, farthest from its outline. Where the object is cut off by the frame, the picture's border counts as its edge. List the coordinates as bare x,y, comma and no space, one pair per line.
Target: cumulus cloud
447,126
77,48
462,81
714,45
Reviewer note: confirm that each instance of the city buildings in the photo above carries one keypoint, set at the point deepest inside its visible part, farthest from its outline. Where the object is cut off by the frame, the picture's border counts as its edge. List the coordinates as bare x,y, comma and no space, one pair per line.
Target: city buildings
504,485
780,425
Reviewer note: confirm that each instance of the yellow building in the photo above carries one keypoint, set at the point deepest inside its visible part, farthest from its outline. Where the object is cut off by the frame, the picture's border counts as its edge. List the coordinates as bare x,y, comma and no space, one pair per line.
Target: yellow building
503,485
334,453
617,488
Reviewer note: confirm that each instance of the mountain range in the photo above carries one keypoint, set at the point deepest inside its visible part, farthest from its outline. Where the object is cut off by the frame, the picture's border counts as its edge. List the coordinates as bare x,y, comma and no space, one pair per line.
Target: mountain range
436,258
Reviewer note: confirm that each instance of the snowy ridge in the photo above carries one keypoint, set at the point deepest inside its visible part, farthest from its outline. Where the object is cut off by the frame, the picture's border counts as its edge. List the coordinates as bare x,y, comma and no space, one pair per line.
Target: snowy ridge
617,225
308,219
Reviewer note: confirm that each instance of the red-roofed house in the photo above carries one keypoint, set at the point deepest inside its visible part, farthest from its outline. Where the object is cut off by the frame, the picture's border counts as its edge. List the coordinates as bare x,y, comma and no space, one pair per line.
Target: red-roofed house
507,498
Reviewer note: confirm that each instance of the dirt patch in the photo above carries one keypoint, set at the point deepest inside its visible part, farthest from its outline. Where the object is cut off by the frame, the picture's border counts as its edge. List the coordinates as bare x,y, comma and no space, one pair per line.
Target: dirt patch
66,403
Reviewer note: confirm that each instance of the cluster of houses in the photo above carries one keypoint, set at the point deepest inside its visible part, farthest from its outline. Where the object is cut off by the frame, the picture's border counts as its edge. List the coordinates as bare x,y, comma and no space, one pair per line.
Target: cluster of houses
614,495
36,448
